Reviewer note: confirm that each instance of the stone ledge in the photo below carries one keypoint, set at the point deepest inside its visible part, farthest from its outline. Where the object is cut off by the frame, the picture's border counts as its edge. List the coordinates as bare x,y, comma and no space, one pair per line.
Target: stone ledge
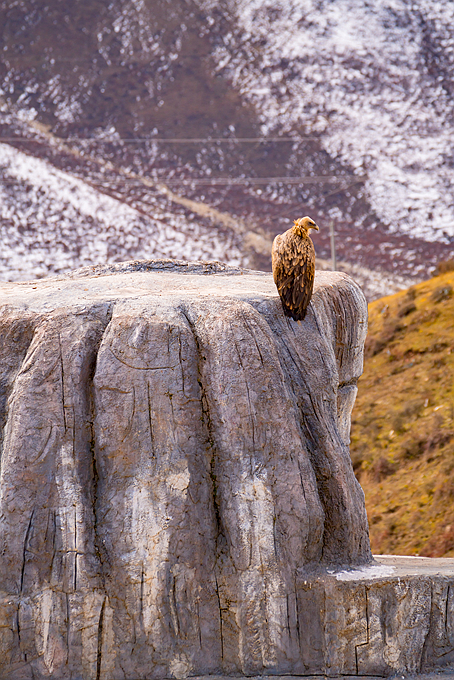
395,616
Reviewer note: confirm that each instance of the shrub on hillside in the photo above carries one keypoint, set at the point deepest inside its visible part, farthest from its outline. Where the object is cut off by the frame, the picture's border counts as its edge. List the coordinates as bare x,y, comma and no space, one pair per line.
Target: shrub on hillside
440,544
444,266
381,469
442,293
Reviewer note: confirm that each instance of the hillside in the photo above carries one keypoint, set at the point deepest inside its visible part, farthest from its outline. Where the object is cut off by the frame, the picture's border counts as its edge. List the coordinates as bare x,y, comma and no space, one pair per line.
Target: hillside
403,422
212,125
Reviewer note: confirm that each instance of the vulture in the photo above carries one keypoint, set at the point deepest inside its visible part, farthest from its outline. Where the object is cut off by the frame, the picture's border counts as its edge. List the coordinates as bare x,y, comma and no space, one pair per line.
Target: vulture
293,260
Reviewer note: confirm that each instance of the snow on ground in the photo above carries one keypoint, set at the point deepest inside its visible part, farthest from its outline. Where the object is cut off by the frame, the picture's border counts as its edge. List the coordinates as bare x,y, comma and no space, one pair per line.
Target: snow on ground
375,284
372,78
52,222
368,572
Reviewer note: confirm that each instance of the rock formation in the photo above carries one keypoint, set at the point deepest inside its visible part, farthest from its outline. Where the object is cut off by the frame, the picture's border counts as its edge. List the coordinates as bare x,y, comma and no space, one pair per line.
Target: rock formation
174,467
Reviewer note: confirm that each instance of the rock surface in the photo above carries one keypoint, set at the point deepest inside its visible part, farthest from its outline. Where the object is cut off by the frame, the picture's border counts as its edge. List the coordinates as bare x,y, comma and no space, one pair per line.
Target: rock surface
393,618
175,466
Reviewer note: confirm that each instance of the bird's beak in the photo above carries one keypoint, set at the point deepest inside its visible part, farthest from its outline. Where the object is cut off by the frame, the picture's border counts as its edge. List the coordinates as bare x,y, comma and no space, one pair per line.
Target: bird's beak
315,228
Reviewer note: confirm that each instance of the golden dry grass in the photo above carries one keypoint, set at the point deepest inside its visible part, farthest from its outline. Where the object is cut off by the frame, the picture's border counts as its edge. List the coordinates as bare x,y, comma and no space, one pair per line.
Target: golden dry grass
402,443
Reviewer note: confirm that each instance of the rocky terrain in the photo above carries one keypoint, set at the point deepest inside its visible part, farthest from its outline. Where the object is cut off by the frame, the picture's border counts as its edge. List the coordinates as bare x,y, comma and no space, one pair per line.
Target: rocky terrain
175,468
143,129
177,496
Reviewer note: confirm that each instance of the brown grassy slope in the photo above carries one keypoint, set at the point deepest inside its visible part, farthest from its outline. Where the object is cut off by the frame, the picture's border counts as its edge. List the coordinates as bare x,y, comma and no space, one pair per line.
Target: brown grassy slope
402,442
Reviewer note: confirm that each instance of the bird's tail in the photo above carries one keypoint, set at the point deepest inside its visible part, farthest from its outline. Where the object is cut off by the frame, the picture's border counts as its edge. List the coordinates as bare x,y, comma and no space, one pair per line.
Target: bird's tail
293,314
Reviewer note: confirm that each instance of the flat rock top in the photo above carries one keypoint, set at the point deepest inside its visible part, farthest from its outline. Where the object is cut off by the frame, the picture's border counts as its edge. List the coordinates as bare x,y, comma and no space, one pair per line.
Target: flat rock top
388,567
415,566
156,278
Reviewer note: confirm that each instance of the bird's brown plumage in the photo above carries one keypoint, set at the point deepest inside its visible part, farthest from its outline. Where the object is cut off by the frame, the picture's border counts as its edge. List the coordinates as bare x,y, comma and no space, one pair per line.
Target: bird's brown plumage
293,259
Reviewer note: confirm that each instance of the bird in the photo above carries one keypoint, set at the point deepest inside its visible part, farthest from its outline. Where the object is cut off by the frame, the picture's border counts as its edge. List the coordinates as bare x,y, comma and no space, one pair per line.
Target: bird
293,262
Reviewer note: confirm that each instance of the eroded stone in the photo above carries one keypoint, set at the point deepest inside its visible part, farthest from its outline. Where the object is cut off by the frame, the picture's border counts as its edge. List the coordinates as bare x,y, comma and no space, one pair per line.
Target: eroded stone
175,469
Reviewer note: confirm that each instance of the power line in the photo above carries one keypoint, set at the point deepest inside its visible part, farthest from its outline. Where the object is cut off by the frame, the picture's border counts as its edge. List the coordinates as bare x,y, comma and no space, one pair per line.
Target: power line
52,59
214,180
168,140
332,239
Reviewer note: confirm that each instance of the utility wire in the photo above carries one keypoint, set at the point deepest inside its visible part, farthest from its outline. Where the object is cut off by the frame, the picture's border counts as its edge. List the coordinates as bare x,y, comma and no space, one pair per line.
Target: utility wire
212,181
53,58
168,140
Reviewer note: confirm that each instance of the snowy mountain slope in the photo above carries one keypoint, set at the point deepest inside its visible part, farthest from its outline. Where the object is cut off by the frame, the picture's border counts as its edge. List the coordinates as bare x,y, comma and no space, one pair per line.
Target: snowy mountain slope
374,80
53,222
357,94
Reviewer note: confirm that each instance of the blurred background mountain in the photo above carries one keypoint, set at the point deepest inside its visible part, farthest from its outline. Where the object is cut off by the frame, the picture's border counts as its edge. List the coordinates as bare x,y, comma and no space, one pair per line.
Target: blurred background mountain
198,130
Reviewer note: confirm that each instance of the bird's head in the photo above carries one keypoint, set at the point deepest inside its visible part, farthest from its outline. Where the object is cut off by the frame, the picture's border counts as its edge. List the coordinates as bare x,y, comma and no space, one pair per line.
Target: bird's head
303,225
